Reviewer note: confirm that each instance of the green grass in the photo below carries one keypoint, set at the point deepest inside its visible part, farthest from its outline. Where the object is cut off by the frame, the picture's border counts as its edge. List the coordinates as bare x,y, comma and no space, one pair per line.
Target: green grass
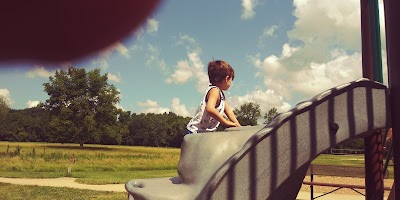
342,160
99,164
9,191
345,160
96,164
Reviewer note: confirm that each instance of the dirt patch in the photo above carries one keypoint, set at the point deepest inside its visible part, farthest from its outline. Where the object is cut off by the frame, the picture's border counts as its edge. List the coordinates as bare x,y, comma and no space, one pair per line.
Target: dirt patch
340,180
349,175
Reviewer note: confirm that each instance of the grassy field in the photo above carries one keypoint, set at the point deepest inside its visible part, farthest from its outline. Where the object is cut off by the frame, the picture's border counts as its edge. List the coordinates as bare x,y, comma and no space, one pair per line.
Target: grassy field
98,164
94,164
344,160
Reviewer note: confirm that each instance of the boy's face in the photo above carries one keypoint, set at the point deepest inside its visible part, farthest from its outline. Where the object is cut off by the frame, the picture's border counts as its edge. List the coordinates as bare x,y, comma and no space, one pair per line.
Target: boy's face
226,83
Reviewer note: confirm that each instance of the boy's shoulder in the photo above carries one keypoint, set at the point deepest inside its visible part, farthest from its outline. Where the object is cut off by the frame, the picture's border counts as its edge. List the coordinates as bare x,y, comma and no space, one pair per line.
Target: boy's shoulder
216,89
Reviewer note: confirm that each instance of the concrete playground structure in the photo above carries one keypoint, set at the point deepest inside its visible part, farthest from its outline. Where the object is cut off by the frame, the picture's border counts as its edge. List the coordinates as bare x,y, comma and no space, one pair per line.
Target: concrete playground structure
271,161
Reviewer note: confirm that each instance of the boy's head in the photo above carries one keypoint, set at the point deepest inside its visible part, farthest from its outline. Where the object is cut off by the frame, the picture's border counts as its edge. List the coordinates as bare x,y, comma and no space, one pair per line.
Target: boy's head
218,70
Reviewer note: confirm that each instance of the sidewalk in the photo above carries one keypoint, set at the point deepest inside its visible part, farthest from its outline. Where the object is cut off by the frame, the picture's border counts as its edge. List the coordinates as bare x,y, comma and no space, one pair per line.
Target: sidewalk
64,182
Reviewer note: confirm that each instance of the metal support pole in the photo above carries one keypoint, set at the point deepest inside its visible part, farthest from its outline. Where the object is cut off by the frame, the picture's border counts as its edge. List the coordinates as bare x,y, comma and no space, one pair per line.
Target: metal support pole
312,179
392,16
372,69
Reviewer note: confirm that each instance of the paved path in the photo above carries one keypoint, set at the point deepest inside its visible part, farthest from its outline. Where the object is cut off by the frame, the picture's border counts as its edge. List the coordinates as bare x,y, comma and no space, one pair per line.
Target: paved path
63,182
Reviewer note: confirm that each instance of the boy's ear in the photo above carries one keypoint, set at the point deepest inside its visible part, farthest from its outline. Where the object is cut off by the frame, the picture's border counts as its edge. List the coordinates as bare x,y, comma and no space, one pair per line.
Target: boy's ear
227,78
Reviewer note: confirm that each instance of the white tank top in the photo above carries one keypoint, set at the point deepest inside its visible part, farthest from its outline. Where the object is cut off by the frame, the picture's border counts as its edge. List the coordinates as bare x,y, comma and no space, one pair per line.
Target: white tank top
202,121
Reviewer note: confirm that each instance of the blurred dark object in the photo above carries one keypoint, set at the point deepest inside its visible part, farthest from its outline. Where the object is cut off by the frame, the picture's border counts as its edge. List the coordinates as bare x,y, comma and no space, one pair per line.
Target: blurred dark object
65,30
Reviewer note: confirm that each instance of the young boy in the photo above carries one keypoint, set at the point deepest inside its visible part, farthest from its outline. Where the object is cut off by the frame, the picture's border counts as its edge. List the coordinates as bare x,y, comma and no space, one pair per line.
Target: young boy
210,112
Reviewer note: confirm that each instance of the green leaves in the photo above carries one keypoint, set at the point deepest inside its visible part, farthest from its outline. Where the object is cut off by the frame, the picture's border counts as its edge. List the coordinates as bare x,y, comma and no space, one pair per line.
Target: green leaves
248,113
81,104
270,115
3,107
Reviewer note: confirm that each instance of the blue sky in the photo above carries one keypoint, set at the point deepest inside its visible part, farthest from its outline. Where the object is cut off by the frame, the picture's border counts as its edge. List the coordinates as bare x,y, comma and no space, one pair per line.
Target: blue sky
282,51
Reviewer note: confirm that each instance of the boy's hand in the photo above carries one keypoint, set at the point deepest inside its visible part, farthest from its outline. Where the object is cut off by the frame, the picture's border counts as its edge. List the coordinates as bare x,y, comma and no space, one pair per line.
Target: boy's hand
232,124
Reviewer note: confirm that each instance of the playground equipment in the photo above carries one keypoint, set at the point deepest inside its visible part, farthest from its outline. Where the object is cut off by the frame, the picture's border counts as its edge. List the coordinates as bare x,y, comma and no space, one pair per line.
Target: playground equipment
270,162
273,161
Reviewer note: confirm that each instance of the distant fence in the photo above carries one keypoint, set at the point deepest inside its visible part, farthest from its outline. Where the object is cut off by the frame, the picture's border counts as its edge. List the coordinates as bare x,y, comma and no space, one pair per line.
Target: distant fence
331,170
345,151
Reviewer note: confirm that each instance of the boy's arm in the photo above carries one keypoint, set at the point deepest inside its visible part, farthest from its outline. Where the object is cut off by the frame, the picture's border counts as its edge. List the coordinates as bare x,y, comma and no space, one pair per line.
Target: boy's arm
213,96
230,114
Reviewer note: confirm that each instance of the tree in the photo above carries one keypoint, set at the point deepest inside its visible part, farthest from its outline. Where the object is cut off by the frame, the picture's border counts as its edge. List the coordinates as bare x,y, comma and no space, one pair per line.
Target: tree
27,125
270,115
248,113
3,107
81,105
166,130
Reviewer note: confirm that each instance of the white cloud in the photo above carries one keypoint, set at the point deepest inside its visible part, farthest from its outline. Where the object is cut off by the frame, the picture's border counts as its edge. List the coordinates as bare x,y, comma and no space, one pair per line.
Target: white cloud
199,72
287,50
102,60
270,65
187,69
32,104
156,110
39,71
182,73
116,47
323,76
269,32
101,63
114,78
326,54
153,57
324,25
148,103
122,50
331,37
190,43
266,99
248,9
5,93
309,79
152,107
152,26
178,108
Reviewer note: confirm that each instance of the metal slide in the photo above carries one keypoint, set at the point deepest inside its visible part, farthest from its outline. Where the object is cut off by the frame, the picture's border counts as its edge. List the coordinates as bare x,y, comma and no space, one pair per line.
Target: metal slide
270,162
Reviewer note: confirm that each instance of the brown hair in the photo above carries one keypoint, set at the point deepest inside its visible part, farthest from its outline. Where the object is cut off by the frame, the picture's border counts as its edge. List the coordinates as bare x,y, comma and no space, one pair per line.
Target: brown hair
218,70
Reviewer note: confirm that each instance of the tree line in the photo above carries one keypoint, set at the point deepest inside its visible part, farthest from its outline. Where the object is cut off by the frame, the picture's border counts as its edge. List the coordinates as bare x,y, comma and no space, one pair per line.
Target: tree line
81,108
161,130
34,125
